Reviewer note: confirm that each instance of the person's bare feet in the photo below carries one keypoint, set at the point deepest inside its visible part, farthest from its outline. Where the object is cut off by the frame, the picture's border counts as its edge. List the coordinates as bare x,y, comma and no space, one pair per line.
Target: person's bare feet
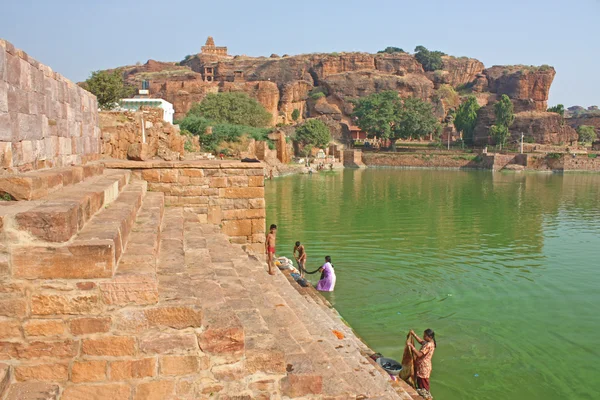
271,272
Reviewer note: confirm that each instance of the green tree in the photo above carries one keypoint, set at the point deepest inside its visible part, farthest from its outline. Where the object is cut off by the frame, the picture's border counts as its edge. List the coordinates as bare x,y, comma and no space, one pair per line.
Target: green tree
466,118
430,60
232,108
587,134
415,120
313,133
295,114
377,113
559,109
391,50
504,111
108,88
500,133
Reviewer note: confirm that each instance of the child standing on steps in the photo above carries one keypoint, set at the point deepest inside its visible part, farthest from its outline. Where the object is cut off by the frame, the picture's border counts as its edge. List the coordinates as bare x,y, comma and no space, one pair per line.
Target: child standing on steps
270,248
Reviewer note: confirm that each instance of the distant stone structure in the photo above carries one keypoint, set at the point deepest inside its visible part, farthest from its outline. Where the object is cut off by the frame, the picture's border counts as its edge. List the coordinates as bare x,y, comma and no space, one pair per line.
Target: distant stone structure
210,48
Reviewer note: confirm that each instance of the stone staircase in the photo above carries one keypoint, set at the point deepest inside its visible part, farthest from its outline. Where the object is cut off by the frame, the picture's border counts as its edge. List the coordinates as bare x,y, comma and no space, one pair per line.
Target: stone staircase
107,294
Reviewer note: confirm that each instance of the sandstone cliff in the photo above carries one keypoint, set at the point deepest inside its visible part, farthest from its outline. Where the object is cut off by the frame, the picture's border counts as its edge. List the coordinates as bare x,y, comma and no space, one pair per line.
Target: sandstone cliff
283,84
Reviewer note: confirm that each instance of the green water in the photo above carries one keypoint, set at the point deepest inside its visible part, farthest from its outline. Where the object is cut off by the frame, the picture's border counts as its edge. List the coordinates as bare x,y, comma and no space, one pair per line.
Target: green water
504,267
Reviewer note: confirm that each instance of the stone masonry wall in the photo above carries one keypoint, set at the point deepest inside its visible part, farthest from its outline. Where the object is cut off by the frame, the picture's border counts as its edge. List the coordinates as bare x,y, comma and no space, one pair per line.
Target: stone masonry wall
423,160
45,119
229,194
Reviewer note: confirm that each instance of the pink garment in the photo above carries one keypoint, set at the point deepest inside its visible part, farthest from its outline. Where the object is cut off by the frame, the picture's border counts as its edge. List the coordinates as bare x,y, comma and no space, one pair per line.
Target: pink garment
327,284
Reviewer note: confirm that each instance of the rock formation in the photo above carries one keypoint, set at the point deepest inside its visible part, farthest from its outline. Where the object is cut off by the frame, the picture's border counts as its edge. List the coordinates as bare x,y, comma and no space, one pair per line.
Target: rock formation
283,84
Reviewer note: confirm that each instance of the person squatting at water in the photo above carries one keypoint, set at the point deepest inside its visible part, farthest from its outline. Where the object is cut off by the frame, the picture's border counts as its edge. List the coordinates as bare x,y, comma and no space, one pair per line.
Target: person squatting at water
270,248
423,358
301,258
327,281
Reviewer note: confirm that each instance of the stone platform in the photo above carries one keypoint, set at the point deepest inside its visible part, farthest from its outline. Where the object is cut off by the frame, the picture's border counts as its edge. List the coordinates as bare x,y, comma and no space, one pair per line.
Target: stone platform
108,293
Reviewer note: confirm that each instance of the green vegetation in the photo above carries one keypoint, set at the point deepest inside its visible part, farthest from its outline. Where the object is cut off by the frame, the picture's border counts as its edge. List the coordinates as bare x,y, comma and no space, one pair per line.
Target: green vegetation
391,50
448,94
232,108
295,114
554,156
5,197
108,88
317,93
430,60
587,134
592,155
559,109
388,116
313,133
186,58
466,118
505,116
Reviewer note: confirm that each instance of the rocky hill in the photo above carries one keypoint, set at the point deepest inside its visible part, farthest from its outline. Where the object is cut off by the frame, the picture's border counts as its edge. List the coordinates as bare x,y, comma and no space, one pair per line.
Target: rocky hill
322,85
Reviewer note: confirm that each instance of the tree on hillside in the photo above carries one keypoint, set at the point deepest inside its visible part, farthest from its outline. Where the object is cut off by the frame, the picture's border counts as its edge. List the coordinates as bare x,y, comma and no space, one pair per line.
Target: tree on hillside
108,88
559,109
376,113
587,134
313,133
505,116
295,114
466,118
430,60
391,50
387,116
233,108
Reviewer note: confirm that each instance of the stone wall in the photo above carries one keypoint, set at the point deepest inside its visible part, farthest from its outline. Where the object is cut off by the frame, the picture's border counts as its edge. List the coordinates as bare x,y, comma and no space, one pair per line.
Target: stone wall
423,160
229,194
564,162
45,119
353,158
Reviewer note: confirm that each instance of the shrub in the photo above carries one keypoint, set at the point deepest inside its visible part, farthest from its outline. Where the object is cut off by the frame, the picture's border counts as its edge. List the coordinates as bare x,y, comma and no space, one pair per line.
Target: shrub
430,60
313,133
108,88
295,114
391,50
554,156
592,155
232,108
317,93
447,93
466,118
587,134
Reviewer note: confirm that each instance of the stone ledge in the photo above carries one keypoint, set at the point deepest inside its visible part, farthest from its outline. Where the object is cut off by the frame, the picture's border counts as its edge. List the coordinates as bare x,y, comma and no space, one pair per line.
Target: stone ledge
204,164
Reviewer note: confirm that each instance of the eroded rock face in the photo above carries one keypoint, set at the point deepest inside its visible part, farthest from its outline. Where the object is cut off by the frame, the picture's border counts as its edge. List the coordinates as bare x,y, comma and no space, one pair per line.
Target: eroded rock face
589,120
522,82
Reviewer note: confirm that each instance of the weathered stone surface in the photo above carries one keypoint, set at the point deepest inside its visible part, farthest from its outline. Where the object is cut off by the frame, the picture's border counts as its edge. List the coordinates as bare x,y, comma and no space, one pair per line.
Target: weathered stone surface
88,392
265,361
5,377
168,343
57,372
177,317
156,390
89,371
44,327
57,349
33,391
132,369
182,365
89,325
116,346
522,82
53,304
130,289
138,152
301,385
10,329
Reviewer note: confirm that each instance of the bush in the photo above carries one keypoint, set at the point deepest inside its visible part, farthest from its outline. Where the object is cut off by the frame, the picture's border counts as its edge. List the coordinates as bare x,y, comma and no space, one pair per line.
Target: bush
108,88
554,156
295,114
430,60
466,118
587,134
447,93
232,108
313,133
317,93
592,155
391,50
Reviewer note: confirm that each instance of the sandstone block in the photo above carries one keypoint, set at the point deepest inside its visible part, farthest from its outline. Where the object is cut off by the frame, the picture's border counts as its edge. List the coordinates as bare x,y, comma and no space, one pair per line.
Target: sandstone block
218,182
177,317
5,374
222,340
229,372
116,346
265,361
139,152
33,391
182,365
89,325
50,222
13,307
151,175
242,193
244,214
44,327
192,172
258,226
168,343
257,203
168,175
240,227
86,285
56,372
130,289
301,385
132,369
65,304
256,181
60,349
88,371
155,390
97,392
10,329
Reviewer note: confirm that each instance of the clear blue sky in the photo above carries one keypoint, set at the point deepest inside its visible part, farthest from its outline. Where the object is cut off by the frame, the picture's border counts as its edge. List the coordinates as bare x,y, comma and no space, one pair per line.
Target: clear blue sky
76,37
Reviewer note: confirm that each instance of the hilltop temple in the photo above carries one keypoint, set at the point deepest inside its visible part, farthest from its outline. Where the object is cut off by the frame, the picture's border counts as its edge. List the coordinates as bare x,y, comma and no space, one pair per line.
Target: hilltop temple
210,48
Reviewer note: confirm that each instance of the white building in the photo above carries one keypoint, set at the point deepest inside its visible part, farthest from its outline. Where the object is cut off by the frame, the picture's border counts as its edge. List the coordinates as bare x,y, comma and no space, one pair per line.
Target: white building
135,104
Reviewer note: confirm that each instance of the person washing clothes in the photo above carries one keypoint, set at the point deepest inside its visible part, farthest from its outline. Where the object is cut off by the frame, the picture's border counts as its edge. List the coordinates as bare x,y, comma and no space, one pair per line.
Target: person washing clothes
327,281
423,359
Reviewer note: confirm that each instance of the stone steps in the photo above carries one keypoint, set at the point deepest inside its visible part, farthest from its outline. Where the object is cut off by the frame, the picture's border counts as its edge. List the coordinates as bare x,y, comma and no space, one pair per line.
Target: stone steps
38,184
93,253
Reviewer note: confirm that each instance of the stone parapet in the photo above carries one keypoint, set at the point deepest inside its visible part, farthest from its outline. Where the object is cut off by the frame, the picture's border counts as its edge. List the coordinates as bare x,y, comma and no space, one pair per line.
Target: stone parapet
224,193
45,119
